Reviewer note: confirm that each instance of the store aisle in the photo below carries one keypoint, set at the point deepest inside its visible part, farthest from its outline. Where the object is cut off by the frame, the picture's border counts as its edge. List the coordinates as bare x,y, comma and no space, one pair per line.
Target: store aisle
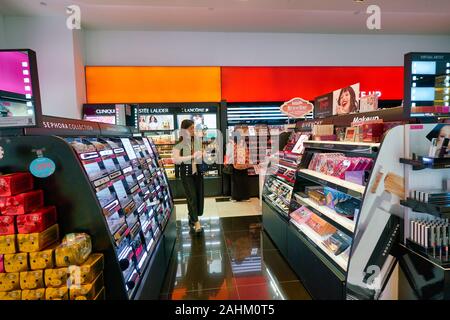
223,209
234,259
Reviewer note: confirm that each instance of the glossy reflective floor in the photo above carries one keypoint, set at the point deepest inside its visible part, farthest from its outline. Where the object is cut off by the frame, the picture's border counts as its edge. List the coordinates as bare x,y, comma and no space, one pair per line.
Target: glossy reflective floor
234,259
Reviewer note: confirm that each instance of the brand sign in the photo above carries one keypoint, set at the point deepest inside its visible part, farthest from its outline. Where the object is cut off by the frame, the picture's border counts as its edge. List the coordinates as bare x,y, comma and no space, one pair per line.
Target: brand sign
153,110
363,119
67,126
297,108
195,110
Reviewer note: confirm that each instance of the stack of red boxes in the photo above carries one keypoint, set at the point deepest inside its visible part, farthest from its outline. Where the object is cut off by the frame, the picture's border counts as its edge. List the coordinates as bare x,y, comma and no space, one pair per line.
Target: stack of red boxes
28,238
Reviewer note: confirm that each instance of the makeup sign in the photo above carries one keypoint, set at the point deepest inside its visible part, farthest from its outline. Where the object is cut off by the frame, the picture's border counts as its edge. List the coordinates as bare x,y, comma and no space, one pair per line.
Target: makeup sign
297,108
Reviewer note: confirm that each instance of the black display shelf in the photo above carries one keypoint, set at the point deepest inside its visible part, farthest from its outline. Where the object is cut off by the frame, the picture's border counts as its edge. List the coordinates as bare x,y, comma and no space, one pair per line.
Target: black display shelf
282,214
433,209
427,163
441,259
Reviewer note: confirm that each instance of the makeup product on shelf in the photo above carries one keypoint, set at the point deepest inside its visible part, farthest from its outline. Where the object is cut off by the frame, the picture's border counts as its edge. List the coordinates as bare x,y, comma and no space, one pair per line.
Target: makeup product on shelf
395,184
433,148
377,181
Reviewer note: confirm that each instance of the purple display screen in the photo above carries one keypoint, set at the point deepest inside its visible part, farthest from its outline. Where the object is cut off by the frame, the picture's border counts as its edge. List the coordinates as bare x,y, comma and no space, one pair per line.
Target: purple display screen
15,73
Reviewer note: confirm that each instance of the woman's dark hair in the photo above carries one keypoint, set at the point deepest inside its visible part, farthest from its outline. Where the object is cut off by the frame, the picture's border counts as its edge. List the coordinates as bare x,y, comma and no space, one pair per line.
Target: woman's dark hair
353,102
153,117
185,124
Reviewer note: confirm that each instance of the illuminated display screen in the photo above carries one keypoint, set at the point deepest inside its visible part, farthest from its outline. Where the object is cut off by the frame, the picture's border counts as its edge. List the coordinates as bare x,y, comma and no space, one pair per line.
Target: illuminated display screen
18,103
427,91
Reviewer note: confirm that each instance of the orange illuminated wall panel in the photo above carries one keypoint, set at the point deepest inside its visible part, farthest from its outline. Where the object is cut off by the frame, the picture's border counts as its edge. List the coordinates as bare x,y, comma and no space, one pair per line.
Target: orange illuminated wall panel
152,84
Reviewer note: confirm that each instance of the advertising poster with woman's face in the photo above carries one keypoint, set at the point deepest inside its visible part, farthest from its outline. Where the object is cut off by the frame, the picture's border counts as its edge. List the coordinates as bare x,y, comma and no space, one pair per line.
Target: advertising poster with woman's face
156,122
346,100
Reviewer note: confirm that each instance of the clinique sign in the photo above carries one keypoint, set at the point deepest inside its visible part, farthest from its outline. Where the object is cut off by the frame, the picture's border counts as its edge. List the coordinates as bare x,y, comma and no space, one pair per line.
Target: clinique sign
105,111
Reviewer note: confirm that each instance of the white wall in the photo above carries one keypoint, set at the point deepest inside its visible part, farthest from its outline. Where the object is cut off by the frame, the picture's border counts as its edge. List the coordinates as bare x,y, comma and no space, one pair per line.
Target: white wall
253,49
2,34
54,44
79,60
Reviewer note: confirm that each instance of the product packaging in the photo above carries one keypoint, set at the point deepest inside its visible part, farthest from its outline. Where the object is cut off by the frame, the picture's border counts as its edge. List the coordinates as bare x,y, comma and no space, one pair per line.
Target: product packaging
21,203
87,291
42,259
88,271
55,278
338,242
11,295
8,244
357,177
15,183
7,226
37,221
372,132
9,281
61,293
38,294
33,242
16,262
320,226
2,267
74,250
31,280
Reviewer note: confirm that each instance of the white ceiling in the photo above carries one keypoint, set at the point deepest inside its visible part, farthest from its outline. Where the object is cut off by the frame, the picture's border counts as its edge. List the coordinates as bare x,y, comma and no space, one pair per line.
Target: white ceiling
315,16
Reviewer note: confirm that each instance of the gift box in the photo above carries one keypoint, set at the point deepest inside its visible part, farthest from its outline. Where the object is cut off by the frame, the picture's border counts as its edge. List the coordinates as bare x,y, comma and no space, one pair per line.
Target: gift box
38,294
15,183
87,291
74,250
61,293
2,268
55,278
11,295
8,244
31,280
33,242
16,262
88,271
42,259
9,281
37,221
21,203
7,226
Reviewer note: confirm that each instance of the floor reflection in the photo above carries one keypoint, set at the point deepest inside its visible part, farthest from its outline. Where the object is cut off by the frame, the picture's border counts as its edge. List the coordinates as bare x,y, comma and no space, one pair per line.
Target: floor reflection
233,259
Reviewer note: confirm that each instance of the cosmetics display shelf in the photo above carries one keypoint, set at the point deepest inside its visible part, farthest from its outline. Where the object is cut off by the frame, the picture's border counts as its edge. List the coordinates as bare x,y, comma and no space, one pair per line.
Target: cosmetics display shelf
317,238
433,209
440,259
350,188
327,214
365,149
427,163
340,260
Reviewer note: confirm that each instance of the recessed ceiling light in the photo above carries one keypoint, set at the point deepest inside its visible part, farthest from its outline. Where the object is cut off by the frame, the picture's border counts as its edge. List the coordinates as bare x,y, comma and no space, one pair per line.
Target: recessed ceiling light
42,3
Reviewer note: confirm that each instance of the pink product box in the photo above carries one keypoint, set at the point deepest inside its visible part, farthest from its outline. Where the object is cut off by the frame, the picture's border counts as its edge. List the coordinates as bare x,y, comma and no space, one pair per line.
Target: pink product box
355,177
2,268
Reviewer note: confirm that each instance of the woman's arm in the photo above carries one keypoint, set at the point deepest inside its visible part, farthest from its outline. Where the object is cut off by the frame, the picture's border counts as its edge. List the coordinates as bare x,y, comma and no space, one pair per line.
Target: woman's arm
177,158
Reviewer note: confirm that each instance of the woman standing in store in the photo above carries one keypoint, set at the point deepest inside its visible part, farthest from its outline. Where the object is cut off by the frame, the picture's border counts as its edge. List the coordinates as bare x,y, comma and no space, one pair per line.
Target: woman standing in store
187,155
240,181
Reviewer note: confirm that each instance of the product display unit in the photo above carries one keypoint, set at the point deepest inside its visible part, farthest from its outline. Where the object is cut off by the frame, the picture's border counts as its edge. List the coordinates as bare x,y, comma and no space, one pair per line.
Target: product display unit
119,194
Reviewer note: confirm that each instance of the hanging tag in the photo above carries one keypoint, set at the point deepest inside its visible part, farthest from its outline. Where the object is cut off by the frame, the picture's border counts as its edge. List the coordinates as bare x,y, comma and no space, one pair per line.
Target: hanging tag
42,167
